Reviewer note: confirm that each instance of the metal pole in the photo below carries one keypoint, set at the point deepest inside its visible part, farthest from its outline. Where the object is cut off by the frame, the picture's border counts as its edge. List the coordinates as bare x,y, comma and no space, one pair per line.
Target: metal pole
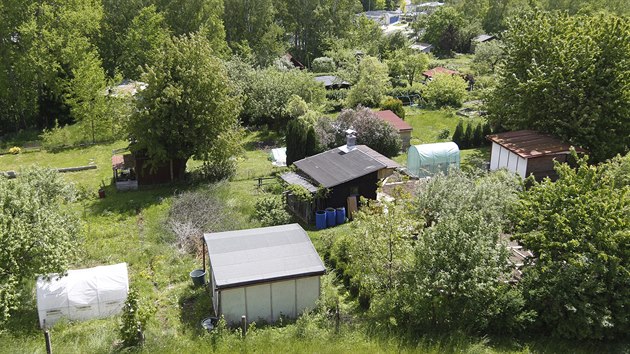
243,326
48,343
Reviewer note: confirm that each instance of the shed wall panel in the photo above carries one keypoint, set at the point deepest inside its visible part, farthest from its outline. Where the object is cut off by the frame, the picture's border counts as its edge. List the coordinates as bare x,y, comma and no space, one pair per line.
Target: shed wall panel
307,293
233,304
503,157
283,299
521,167
259,303
494,156
512,162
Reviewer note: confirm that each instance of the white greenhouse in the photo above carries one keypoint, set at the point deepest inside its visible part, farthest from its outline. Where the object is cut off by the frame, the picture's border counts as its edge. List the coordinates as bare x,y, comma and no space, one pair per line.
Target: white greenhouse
263,274
429,159
83,294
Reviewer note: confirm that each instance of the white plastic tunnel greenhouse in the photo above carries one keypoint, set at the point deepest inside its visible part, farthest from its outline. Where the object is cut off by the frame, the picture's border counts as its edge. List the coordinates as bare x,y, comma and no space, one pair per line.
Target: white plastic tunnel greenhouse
83,294
429,159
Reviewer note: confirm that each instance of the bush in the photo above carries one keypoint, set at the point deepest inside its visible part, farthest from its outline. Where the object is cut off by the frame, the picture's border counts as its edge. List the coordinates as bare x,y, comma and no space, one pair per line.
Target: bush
394,105
444,134
371,131
133,321
270,211
445,90
15,150
323,65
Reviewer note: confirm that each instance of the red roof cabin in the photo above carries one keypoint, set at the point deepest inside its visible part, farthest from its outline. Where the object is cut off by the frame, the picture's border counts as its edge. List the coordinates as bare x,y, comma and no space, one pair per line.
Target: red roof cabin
403,128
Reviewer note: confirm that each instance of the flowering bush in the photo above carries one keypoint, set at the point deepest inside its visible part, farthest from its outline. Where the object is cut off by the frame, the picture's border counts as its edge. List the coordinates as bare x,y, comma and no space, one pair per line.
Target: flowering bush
15,150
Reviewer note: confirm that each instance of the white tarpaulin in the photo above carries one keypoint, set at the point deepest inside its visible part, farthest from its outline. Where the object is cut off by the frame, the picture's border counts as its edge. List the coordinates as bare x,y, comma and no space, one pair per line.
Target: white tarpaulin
83,294
429,159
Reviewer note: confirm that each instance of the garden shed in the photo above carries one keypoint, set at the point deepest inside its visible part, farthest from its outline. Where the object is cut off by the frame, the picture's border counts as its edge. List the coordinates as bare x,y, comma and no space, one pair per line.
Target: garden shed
403,128
528,152
83,294
264,273
429,159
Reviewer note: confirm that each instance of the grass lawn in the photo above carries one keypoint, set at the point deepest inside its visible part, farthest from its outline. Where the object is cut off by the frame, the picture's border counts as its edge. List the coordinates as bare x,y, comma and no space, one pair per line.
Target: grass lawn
130,227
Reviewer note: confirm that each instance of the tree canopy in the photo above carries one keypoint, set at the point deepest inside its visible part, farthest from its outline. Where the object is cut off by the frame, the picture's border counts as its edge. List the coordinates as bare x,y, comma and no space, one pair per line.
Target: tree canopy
38,234
568,76
578,227
189,108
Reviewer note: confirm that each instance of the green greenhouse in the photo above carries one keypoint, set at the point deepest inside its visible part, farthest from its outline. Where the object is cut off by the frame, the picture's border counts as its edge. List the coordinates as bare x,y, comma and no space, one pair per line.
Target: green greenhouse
429,159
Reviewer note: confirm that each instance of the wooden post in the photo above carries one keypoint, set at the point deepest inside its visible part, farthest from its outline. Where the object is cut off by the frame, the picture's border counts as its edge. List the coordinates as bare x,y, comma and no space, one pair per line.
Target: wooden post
243,326
48,342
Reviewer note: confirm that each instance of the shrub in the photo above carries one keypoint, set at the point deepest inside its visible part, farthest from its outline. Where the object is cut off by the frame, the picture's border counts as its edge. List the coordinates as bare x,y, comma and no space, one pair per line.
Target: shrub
270,211
133,321
371,131
323,65
445,90
444,134
394,105
15,150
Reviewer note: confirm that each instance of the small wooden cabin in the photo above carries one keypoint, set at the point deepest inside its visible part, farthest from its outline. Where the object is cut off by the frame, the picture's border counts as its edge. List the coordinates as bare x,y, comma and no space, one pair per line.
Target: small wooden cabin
347,172
403,128
527,152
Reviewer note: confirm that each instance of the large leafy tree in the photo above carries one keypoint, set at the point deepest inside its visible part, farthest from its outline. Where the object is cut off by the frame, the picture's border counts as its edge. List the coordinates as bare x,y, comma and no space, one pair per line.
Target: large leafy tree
579,230
461,263
37,232
371,131
372,84
568,76
443,29
189,108
145,36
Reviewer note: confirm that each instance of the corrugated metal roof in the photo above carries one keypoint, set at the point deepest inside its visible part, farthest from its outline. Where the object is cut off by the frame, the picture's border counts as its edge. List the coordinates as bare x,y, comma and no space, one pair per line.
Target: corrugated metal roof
482,38
529,143
334,167
294,178
243,257
395,120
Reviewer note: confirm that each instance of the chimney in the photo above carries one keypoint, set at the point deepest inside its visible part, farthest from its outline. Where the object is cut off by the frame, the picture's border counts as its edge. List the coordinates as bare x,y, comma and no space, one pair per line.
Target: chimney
351,139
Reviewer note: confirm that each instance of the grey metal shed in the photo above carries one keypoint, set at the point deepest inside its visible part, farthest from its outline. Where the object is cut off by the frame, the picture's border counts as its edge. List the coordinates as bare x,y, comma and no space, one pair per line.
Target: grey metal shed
263,273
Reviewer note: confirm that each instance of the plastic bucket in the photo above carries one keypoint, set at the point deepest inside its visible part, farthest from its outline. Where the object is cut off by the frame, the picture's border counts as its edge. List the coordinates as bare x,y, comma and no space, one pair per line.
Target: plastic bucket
320,219
341,215
330,217
198,277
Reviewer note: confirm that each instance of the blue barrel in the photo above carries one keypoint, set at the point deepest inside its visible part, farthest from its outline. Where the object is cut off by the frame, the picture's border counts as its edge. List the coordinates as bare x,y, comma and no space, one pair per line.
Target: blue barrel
330,217
341,215
320,219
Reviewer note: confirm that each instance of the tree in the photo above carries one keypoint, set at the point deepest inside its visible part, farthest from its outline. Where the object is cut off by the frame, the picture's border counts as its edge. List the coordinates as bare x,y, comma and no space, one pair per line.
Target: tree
380,247
300,139
567,76
458,135
477,136
487,56
442,30
445,90
404,65
87,99
467,139
371,131
372,85
189,108
394,105
38,233
145,36
578,229
460,261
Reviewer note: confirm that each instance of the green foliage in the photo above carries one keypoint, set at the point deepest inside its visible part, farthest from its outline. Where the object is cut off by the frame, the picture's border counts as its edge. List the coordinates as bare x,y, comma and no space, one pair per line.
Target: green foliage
302,194
145,37
295,107
270,211
488,56
578,228
394,105
442,30
444,134
372,84
460,262
567,75
189,108
445,90
371,131
380,248
267,91
458,135
301,140
133,321
406,65
38,233
323,65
